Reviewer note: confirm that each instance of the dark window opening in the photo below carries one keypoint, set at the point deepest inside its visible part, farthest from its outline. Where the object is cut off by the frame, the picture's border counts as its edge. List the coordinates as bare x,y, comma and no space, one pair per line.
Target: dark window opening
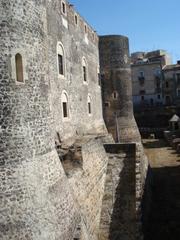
142,98
159,96
167,85
76,19
89,107
64,8
178,78
141,74
84,73
151,102
106,104
65,111
85,29
115,95
60,63
19,68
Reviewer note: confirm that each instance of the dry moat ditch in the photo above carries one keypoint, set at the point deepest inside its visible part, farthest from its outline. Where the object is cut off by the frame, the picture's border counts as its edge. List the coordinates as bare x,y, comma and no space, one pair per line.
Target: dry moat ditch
161,218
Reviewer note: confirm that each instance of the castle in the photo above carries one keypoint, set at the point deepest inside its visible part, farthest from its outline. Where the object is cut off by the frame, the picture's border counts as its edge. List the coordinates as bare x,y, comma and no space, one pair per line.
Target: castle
62,174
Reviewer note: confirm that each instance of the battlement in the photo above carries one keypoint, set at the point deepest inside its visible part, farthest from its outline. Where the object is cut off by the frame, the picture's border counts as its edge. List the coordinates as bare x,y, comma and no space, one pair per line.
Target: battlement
72,19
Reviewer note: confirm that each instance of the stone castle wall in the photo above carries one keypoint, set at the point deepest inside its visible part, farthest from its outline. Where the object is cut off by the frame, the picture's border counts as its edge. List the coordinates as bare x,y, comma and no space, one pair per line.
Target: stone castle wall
118,108
35,200
118,218
39,200
77,45
87,185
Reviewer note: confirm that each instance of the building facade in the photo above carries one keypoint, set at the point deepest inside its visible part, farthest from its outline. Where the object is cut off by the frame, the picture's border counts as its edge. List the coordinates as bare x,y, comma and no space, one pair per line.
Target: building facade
171,85
147,77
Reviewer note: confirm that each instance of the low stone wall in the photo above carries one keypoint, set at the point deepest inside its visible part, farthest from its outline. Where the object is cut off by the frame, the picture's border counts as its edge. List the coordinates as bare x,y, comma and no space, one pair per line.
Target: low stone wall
118,218
87,185
141,183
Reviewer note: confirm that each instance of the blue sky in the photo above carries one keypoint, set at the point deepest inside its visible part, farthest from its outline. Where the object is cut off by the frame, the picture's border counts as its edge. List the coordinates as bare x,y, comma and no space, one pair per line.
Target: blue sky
149,24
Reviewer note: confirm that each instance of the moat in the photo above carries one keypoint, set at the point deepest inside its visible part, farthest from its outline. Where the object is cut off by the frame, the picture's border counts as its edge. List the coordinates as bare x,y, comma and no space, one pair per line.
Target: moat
163,221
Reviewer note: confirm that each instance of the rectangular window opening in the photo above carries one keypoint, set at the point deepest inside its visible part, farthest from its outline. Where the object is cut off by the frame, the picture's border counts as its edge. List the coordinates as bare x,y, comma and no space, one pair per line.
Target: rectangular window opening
84,74
65,112
76,19
60,63
89,108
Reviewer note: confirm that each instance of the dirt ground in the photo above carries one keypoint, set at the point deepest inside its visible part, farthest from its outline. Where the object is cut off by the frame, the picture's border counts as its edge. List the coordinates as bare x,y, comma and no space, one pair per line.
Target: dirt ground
160,154
164,218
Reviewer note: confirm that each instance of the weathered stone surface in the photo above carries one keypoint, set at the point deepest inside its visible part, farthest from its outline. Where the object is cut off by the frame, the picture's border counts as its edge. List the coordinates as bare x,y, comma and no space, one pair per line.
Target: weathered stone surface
118,214
118,108
41,197
117,88
36,201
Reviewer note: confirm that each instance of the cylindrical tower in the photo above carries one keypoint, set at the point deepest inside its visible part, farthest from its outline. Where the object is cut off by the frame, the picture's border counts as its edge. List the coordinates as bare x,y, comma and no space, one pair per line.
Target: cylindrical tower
117,88
35,201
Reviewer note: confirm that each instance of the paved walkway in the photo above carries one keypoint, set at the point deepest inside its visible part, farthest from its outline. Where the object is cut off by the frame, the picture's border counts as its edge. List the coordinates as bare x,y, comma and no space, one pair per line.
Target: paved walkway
164,220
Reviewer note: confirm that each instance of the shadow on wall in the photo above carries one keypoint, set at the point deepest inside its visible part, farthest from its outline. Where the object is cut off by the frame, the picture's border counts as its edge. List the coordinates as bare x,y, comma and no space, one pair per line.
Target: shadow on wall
123,217
161,204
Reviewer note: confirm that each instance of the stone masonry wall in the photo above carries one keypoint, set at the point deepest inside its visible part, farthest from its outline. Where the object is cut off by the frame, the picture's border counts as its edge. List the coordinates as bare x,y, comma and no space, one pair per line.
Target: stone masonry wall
77,44
87,184
35,199
118,106
118,217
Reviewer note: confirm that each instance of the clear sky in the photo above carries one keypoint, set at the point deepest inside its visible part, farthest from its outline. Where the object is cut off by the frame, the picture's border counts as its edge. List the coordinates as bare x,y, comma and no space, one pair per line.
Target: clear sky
149,24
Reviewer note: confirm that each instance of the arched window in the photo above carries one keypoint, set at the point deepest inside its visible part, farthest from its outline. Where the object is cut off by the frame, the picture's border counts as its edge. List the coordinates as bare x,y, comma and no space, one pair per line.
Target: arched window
65,107
89,105
63,7
84,66
61,59
19,68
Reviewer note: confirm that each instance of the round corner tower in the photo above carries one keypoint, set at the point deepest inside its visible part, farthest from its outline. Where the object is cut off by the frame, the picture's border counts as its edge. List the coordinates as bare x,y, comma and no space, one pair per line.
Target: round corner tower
35,201
117,88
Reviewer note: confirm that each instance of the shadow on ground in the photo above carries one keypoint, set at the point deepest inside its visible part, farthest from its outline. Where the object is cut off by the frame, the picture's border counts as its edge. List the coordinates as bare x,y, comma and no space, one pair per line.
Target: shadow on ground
158,143
161,215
